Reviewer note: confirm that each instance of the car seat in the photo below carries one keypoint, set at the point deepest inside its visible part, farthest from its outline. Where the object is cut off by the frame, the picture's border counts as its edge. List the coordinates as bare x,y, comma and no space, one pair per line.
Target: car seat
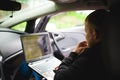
111,44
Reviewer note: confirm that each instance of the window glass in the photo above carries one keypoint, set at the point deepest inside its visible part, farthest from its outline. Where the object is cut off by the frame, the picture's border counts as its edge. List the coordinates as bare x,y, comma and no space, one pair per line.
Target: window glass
67,20
20,27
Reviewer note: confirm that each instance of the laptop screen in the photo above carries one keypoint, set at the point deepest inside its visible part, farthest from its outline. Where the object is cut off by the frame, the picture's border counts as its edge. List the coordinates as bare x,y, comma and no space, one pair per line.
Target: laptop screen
36,46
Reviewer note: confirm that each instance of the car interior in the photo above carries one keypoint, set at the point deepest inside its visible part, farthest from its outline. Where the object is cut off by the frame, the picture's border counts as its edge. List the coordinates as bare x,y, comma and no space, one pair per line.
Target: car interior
11,53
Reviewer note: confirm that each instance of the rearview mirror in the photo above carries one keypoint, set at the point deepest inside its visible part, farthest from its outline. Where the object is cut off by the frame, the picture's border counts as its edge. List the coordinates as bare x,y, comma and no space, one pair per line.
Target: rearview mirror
8,5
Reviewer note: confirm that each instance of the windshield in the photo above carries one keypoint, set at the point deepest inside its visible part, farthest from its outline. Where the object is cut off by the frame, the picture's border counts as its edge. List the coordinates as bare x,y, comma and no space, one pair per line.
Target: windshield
4,15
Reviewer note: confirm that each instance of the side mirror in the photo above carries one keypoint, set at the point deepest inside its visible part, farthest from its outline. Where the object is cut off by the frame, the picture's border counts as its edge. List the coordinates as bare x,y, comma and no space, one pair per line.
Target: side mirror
8,5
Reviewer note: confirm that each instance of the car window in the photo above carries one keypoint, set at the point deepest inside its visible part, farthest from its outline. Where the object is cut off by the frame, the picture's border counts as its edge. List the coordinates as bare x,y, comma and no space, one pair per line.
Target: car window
20,27
67,20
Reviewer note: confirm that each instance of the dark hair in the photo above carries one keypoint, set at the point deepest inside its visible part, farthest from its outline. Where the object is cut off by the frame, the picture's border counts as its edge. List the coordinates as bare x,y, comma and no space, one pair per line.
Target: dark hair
96,19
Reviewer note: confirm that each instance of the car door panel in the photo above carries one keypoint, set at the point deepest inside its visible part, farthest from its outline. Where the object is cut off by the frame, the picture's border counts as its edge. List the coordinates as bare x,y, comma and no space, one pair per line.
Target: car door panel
70,40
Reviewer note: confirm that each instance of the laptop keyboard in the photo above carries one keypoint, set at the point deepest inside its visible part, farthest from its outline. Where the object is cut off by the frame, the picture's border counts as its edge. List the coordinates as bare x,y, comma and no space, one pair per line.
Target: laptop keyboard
46,67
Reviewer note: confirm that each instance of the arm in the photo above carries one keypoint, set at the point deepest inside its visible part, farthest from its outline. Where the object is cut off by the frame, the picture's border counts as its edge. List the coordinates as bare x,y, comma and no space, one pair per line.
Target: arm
67,68
63,72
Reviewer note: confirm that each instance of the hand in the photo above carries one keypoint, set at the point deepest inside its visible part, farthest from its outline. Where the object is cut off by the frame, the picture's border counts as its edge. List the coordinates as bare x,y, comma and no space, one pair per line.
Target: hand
80,47
56,68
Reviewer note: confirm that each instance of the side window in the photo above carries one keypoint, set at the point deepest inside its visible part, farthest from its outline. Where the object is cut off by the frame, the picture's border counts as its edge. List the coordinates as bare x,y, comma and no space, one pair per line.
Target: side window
20,27
67,20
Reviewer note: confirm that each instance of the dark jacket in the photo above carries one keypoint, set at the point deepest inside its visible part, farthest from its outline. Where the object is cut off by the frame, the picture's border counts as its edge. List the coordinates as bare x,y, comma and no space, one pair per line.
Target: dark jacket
86,66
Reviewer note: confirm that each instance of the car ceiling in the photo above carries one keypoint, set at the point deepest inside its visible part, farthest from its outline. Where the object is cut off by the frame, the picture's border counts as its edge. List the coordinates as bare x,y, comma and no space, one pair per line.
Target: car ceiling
95,3
54,7
91,4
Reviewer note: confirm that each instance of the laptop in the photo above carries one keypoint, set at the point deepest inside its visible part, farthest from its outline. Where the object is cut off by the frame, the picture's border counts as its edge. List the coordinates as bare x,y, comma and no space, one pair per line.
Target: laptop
39,54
